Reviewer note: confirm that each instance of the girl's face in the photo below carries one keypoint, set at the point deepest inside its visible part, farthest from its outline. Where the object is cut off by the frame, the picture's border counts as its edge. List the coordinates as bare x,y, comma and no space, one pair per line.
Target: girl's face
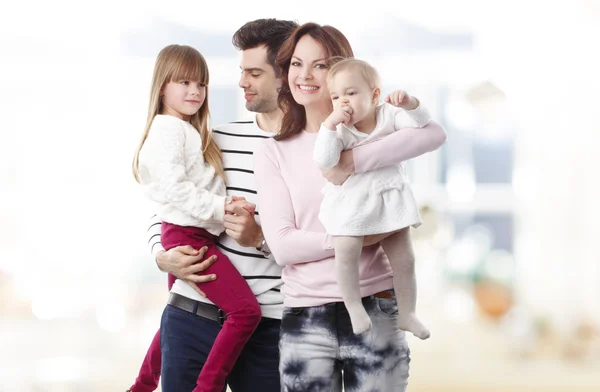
308,73
183,98
349,88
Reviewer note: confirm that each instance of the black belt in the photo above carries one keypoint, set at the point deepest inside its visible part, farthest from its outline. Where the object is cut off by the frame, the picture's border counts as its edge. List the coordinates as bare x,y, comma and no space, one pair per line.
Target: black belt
198,308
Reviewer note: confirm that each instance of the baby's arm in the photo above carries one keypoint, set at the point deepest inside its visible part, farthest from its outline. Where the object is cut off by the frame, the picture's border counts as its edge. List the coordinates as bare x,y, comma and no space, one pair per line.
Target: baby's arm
168,143
412,113
415,135
415,118
328,148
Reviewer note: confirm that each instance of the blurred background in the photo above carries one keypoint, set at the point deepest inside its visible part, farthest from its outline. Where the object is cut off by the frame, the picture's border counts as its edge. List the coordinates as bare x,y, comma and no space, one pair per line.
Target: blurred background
508,259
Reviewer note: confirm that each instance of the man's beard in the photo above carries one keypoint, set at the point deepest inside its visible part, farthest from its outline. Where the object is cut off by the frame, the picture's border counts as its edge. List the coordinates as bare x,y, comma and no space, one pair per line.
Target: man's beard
259,106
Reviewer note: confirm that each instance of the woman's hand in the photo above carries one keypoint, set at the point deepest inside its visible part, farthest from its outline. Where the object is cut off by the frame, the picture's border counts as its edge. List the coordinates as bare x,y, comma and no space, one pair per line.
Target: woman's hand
338,174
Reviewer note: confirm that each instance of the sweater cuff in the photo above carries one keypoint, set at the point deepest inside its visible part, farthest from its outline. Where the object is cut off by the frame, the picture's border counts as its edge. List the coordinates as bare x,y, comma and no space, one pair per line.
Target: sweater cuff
420,116
219,203
324,128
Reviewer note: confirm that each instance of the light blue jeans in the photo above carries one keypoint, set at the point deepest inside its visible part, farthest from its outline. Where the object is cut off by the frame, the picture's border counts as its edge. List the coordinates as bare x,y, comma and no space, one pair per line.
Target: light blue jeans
317,344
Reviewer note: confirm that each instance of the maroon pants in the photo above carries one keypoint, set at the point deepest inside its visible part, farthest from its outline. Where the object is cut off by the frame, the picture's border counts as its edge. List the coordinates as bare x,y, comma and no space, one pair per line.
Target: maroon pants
230,293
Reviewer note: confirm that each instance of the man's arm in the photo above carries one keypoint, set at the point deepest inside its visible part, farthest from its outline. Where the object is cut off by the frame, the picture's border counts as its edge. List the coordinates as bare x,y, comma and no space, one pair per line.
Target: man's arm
184,263
181,261
241,225
154,229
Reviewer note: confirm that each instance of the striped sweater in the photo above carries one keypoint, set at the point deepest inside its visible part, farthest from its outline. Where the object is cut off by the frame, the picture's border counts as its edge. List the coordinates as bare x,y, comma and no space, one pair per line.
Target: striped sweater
238,141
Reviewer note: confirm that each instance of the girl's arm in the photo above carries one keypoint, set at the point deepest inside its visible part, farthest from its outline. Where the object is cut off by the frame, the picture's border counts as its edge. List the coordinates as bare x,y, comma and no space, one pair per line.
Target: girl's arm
288,244
328,148
173,185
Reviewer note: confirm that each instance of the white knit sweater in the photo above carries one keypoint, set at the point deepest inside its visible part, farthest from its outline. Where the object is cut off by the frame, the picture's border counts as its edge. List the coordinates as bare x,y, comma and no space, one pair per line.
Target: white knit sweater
176,176
238,141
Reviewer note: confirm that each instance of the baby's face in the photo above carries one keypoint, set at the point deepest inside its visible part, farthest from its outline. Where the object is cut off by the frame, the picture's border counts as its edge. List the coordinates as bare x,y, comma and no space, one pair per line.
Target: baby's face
348,87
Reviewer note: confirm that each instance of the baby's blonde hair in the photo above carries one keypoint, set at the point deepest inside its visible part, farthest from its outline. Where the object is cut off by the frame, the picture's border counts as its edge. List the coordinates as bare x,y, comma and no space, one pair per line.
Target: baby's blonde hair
366,70
174,63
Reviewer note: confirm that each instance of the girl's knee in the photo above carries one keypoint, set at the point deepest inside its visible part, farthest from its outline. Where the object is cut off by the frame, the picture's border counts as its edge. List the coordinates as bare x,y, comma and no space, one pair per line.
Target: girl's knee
249,314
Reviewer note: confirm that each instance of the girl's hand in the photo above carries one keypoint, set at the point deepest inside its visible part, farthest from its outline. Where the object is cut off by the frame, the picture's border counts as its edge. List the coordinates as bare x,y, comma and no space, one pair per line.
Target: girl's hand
340,115
401,99
244,204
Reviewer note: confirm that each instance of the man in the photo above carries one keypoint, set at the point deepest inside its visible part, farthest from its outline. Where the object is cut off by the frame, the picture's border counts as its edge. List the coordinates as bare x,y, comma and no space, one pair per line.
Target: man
257,367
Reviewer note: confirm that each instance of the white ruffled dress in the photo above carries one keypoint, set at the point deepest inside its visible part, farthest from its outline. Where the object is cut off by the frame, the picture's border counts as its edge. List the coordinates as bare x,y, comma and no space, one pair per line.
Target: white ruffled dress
375,202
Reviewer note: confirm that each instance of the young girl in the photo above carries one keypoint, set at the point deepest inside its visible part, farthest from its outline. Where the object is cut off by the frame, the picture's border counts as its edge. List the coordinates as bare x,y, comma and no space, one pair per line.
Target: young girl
180,167
376,202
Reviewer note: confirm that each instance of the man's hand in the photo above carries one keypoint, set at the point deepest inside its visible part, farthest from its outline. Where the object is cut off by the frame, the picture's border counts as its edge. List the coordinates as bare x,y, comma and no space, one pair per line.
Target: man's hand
338,174
401,99
241,225
184,263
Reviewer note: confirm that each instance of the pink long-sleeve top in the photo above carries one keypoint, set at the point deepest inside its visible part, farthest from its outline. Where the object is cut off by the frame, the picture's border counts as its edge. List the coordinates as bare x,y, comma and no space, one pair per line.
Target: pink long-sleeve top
289,193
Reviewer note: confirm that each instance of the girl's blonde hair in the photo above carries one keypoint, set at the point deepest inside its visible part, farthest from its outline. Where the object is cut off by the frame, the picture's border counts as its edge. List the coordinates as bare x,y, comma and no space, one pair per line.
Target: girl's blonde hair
175,63
366,70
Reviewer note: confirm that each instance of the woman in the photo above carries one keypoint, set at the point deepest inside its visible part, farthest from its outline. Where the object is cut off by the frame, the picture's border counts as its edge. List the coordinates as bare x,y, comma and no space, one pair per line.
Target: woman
317,341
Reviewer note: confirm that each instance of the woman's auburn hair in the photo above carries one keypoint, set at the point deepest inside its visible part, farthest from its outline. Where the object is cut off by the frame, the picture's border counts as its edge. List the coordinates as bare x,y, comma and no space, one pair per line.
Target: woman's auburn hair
334,43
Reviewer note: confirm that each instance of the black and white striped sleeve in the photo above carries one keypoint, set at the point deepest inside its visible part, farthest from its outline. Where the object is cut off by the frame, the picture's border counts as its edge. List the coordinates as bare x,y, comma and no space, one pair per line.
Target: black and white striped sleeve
154,235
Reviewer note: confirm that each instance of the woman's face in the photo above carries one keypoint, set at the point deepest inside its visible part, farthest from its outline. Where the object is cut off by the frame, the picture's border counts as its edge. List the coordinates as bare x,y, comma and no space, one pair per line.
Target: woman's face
308,73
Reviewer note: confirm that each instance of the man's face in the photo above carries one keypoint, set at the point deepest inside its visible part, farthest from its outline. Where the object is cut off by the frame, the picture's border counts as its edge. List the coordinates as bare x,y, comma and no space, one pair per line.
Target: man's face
261,86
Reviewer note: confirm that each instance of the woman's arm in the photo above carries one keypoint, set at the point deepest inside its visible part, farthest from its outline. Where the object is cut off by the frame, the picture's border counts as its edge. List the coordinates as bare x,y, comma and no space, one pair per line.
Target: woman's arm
400,146
288,244
397,147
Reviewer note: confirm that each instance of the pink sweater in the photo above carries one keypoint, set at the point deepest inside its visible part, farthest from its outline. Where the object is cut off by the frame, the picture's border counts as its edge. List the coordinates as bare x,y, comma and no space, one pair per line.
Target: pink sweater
289,193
